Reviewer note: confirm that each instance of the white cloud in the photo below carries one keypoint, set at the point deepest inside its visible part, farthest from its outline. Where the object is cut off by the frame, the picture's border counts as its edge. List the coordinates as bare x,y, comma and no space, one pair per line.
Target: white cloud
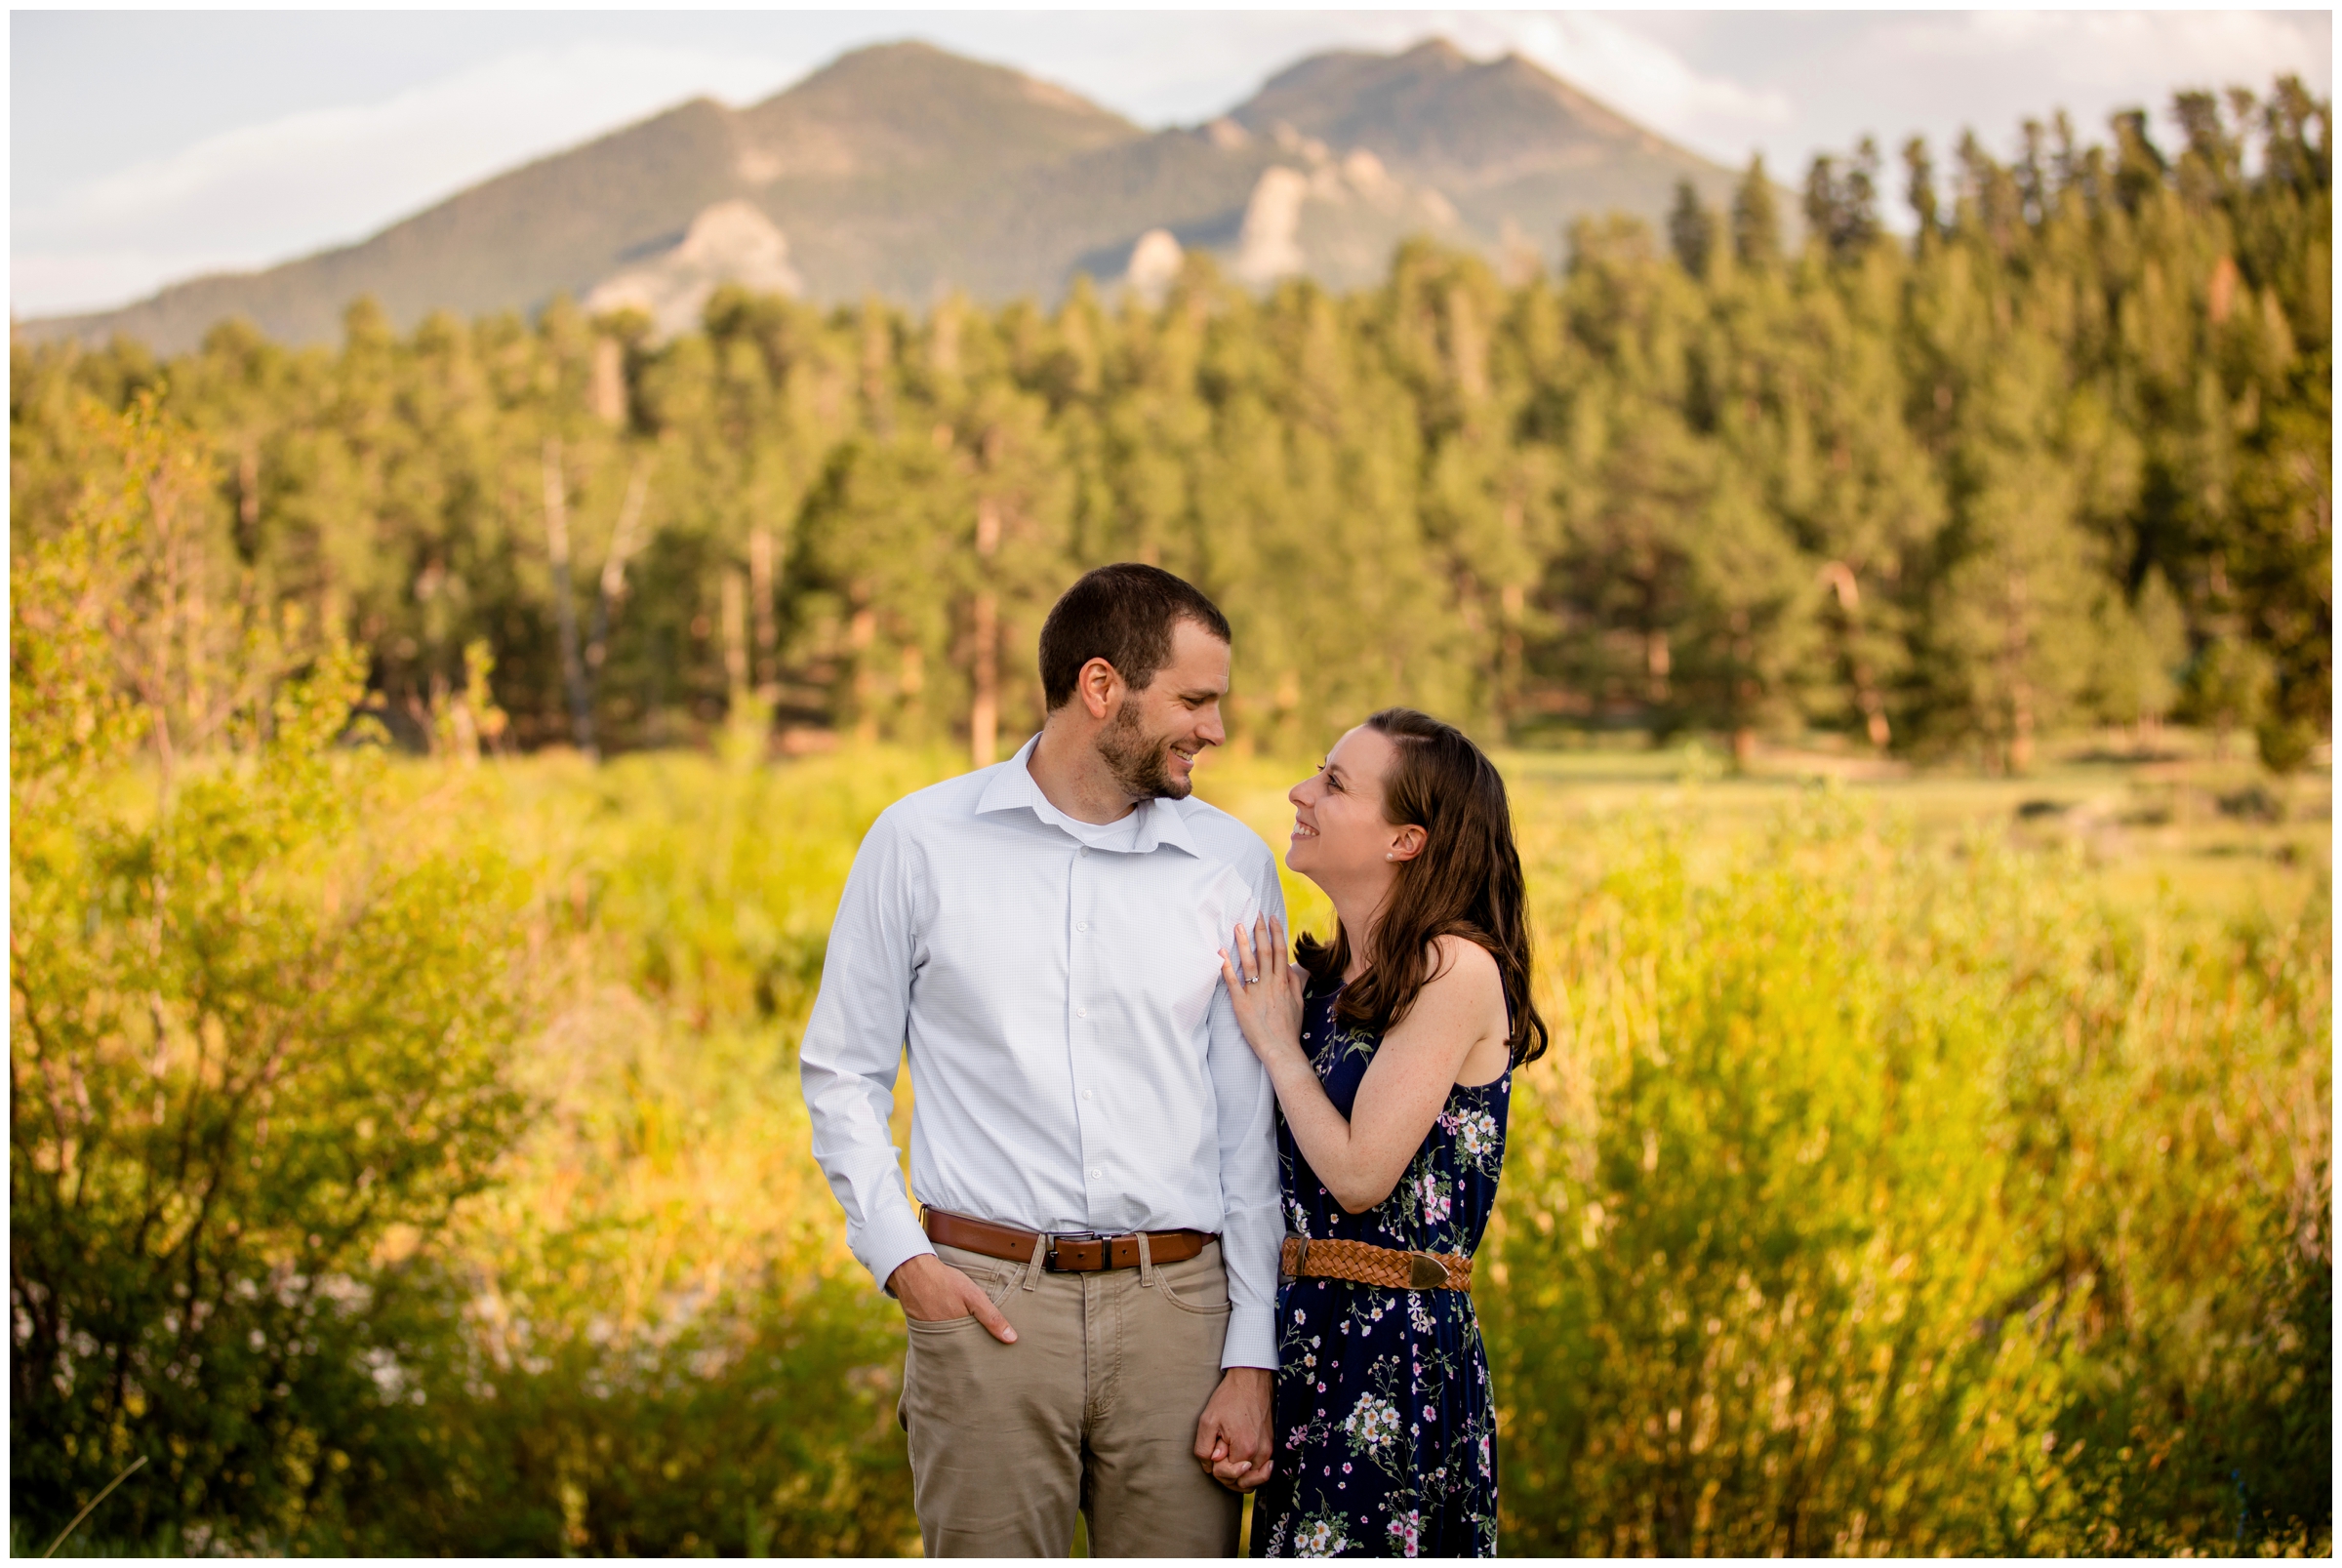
2117,48
254,195
1989,70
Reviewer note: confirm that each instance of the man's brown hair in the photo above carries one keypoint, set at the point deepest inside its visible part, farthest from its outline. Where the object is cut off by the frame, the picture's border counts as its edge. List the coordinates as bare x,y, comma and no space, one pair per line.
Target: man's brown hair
1123,614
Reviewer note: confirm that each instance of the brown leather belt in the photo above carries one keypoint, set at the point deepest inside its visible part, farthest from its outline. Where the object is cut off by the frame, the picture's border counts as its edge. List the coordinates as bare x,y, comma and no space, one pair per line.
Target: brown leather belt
1083,1252
1368,1264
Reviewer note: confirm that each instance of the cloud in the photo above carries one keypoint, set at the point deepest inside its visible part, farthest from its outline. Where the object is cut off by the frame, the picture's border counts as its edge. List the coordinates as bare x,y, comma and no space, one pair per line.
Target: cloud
2117,49
254,195
1989,70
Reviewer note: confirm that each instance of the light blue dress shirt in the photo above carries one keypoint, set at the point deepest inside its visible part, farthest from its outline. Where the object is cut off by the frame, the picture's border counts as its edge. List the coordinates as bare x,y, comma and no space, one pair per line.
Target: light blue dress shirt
1074,1063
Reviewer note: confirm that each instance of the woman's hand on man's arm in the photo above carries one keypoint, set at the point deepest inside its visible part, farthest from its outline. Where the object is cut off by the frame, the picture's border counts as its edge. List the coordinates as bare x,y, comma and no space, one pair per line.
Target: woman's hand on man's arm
1360,1157
1266,991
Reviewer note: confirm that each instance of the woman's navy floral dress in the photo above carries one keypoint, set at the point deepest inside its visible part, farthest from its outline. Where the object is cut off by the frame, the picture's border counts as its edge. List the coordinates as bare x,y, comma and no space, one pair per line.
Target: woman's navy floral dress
1385,1423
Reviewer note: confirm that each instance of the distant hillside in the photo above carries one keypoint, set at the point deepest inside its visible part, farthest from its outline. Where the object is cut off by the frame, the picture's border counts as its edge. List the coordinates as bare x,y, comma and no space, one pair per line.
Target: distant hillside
905,170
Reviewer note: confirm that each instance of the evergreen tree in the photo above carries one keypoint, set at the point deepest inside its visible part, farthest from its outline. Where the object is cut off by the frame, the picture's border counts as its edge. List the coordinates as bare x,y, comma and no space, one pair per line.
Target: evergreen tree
1938,497
1755,216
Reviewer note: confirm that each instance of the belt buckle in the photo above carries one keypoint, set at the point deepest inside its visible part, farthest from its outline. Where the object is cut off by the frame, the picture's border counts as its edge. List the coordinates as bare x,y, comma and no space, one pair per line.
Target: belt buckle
1049,1256
1424,1271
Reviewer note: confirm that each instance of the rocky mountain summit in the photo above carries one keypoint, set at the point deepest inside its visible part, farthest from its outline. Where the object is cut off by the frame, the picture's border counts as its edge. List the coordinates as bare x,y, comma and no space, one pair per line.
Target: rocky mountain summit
907,172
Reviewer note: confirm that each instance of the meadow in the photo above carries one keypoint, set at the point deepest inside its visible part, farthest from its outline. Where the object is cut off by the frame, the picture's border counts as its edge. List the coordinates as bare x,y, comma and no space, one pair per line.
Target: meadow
1922,1164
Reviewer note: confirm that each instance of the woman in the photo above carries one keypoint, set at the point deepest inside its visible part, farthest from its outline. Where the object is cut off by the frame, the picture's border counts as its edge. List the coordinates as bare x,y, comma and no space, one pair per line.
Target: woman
1391,1050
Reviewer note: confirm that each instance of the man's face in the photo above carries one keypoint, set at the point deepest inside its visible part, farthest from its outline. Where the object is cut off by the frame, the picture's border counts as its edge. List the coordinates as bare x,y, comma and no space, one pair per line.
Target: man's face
1154,738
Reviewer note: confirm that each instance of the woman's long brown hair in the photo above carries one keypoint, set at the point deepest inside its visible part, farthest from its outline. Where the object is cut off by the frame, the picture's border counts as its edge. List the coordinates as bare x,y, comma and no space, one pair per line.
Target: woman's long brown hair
1465,882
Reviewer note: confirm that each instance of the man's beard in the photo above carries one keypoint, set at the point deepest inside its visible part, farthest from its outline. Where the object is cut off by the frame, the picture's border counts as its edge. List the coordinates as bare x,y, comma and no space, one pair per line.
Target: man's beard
1141,767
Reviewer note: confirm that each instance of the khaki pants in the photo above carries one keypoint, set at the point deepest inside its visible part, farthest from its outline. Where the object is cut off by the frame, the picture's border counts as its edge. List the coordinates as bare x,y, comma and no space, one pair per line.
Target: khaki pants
1093,1408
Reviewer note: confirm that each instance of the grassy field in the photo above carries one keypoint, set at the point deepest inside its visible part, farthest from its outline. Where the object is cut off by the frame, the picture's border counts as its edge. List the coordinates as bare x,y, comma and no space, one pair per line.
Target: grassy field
2171,821
1923,1163
668,1196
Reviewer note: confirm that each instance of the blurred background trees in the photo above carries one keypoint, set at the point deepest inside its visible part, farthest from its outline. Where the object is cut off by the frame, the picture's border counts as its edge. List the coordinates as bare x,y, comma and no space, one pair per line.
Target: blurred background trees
259,1028
2060,458
405,1158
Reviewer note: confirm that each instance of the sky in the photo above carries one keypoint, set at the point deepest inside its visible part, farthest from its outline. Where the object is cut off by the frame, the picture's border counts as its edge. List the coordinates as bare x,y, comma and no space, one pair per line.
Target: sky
150,147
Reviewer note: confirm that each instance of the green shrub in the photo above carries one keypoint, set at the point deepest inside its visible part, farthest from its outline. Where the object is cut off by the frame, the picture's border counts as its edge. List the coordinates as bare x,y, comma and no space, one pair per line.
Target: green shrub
649,1337
1880,1200
258,1025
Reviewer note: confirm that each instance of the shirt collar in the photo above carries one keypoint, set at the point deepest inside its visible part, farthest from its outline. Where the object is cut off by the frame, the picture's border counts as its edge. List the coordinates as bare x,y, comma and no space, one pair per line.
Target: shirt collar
1012,785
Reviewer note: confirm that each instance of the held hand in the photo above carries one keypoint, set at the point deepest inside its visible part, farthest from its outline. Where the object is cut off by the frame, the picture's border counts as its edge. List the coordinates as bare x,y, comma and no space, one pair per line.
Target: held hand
1234,1440
932,1291
1264,987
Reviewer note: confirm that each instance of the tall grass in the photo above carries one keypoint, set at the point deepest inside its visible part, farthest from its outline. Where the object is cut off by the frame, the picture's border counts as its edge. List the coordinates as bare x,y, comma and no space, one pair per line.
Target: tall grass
1878,1194
1888,1199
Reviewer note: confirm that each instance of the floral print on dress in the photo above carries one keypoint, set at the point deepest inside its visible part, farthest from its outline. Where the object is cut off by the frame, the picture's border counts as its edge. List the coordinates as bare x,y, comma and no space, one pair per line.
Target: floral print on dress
1385,1420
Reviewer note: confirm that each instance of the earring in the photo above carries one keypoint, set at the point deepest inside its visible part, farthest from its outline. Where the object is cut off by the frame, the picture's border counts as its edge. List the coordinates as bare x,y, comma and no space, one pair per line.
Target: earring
1390,856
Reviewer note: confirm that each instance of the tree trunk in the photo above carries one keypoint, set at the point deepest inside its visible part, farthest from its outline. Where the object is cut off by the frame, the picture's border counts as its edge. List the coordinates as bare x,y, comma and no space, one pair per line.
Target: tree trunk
877,356
862,629
1873,715
614,567
1745,690
606,385
984,713
2020,682
248,500
1512,602
1842,581
565,611
760,608
736,634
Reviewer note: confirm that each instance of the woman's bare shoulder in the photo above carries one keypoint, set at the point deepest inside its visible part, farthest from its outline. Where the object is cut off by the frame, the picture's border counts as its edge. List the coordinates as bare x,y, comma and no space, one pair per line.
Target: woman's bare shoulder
1464,968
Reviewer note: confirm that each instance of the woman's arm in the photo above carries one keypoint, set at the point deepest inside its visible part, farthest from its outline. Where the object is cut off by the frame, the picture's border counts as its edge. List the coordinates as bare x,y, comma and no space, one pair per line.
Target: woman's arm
1360,1157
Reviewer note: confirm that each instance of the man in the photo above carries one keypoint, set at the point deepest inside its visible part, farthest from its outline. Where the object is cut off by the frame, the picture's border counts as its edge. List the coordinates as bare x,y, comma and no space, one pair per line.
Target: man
1091,1287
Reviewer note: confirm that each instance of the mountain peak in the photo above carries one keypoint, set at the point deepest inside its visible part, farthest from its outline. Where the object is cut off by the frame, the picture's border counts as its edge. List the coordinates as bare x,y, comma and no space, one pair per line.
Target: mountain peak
1439,52
1432,112
910,104
877,74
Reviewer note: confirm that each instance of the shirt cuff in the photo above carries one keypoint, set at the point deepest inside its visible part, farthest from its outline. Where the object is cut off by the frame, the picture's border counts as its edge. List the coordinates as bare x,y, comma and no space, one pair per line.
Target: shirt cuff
890,1241
1251,1340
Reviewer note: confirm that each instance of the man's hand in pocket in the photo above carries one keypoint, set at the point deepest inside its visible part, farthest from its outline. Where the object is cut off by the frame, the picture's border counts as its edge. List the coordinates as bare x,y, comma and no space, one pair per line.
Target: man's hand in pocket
932,1291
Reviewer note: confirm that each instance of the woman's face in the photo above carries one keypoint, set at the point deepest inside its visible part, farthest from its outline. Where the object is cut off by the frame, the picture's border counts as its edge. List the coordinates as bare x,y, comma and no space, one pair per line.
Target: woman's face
1338,834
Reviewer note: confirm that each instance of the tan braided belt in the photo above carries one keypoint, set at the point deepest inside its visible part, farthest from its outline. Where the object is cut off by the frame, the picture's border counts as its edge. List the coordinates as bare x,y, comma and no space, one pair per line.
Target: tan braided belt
1368,1264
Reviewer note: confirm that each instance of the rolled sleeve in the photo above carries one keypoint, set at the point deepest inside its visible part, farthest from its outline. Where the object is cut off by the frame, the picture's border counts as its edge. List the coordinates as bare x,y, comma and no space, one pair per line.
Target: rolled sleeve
852,1048
1252,1227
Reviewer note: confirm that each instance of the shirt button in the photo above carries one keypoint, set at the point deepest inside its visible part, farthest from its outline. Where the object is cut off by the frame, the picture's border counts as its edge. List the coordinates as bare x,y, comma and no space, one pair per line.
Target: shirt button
1096,1174
1081,1012
1083,851
1085,1094
1081,925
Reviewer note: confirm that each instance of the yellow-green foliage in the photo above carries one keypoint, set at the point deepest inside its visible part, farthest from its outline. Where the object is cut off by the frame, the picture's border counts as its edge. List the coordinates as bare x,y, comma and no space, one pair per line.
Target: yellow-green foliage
260,1018
656,1341
1878,1194
1881,1199
408,1158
